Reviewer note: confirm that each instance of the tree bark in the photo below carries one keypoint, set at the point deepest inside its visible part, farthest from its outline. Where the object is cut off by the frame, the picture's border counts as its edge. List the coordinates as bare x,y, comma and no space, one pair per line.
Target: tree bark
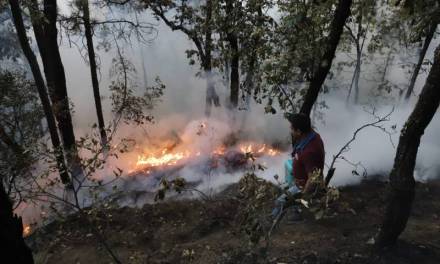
416,71
402,183
336,27
93,70
13,247
41,87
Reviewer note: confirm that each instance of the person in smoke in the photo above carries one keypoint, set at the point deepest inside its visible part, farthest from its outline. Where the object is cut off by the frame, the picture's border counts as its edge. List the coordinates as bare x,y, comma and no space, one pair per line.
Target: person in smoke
307,156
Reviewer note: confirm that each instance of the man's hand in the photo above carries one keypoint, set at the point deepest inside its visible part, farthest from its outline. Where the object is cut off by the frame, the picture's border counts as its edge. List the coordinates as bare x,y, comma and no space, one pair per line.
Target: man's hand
281,201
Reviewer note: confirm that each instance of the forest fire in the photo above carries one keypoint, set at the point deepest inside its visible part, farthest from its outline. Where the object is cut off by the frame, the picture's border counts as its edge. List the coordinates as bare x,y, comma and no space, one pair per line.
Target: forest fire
166,157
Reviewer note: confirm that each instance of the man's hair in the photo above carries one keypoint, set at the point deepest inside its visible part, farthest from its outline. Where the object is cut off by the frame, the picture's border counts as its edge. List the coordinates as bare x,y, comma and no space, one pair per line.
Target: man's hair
300,121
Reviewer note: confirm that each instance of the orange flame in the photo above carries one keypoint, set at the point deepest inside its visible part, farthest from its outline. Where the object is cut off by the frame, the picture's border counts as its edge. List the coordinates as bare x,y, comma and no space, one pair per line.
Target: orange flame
261,149
166,158
26,230
161,160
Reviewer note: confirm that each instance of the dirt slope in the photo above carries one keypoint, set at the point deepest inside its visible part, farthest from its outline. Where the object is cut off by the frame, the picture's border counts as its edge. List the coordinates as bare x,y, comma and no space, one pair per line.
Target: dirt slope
207,232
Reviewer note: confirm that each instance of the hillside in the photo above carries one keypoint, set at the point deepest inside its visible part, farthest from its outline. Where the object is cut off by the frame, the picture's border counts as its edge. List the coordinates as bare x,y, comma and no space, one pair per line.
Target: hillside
193,231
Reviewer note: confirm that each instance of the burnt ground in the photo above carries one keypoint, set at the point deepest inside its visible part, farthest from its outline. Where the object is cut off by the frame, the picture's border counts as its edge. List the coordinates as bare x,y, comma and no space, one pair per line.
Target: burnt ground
207,232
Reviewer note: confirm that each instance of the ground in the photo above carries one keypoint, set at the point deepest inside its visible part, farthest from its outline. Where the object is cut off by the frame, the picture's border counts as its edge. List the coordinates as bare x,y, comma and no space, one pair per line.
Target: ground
192,231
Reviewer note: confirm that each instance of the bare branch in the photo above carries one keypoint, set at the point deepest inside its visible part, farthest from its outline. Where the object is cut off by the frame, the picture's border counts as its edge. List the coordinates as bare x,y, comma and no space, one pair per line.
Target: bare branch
346,147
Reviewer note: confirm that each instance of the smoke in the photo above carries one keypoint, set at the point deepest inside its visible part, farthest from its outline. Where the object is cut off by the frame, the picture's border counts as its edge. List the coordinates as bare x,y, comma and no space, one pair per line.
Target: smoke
180,114
182,108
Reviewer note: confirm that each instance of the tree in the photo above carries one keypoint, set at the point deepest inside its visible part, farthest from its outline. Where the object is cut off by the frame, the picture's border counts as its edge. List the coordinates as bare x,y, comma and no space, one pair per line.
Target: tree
84,5
341,14
195,22
423,18
46,35
256,29
229,27
21,130
363,16
418,66
41,87
402,183
302,48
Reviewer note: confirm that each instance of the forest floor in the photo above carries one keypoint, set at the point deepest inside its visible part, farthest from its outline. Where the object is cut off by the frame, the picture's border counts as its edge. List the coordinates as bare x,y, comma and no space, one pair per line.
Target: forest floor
193,231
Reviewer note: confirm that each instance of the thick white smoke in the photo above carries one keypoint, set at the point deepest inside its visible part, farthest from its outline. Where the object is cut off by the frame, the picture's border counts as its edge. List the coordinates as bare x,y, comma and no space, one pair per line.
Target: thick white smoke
182,110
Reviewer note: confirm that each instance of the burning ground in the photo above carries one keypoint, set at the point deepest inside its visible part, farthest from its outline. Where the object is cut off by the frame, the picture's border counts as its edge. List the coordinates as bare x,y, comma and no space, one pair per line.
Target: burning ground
213,231
216,227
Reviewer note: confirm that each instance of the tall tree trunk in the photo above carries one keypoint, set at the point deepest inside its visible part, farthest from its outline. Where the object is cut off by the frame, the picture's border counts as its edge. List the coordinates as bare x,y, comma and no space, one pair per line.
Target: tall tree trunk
422,54
46,36
13,247
253,59
341,14
235,75
233,43
401,189
41,87
93,70
356,80
212,97
204,50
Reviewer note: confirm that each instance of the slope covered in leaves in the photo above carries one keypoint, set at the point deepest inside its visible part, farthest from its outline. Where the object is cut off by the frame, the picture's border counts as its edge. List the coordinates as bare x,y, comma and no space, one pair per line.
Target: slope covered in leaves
216,231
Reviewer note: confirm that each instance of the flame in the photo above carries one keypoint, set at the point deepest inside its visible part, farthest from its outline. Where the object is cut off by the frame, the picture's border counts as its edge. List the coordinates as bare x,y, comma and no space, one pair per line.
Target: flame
260,149
166,158
26,230
219,150
163,159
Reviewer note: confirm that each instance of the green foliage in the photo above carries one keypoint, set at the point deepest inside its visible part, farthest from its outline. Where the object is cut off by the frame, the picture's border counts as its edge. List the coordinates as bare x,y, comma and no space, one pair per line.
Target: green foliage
9,45
125,102
21,120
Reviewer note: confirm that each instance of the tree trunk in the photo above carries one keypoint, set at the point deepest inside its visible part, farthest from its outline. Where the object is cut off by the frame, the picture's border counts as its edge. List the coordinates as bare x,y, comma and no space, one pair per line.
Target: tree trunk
235,76
357,70
233,43
341,14
356,80
416,71
46,36
402,183
93,70
41,87
13,247
212,97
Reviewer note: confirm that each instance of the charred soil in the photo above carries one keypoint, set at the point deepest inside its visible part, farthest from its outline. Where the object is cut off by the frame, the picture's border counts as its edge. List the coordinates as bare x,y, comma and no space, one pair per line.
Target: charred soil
194,231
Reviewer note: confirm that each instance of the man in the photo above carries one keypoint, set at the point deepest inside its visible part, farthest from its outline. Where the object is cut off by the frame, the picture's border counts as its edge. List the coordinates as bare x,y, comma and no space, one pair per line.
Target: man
307,156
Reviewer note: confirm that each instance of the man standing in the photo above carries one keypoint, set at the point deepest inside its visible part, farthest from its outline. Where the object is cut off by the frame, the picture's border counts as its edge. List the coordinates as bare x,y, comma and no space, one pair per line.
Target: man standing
307,156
